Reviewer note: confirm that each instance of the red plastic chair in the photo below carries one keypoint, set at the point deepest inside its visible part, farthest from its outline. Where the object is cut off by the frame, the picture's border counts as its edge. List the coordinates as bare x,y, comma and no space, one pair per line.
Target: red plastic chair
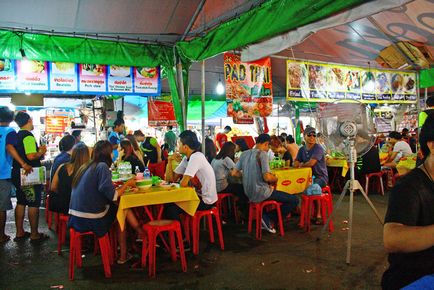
194,222
62,221
75,252
222,205
155,228
255,213
379,176
326,207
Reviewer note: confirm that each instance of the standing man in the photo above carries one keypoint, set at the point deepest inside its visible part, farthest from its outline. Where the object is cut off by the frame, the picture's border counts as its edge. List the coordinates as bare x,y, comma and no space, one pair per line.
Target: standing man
30,195
428,112
152,151
8,139
221,137
115,136
258,180
170,139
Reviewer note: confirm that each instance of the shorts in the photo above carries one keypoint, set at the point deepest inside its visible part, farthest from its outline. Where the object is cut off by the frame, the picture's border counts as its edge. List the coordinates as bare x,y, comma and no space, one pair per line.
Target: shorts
29,195
5,195
99,227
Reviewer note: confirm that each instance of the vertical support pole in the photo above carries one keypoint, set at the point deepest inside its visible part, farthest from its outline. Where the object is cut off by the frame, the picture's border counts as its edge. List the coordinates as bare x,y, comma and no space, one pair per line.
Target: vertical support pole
203,106
182,94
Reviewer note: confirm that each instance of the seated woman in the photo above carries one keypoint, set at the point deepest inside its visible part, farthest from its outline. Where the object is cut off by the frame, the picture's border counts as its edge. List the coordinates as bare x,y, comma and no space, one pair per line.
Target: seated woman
126,153
223,165
136,147
62,179
92,206
240,147
280,150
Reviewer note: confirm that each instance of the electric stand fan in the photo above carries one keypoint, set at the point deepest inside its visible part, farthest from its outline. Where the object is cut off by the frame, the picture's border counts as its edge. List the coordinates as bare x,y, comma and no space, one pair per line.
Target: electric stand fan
349,130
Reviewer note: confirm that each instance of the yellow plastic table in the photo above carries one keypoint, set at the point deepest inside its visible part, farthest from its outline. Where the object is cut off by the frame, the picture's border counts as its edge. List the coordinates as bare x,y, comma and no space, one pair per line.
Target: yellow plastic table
338,162
185,197
406,164
293,180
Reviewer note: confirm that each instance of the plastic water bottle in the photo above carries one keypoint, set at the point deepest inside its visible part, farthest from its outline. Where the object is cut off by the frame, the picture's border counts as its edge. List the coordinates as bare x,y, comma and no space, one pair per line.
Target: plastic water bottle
147,176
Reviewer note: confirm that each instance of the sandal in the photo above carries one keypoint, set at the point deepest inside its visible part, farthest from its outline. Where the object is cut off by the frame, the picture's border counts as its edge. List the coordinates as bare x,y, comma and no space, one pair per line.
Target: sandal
318,221
42,237
121,262
22,238
5,239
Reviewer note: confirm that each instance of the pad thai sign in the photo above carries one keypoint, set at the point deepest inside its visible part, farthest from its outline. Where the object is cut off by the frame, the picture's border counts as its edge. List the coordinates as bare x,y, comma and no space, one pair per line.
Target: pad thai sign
161,111
70,78
319,82
249,91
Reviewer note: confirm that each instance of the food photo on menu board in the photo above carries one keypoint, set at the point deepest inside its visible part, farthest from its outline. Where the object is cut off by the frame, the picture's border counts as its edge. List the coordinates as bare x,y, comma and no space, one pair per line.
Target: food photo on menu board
7,75
147,80
63,76
120,80
32,75
92,78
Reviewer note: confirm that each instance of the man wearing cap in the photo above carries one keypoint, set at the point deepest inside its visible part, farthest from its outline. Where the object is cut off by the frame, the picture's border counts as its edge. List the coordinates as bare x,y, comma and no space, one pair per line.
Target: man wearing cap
114,137
313,155
400,149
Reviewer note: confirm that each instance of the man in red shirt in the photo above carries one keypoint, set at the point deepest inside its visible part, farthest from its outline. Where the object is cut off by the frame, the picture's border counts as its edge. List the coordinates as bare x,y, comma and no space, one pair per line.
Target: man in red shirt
221,138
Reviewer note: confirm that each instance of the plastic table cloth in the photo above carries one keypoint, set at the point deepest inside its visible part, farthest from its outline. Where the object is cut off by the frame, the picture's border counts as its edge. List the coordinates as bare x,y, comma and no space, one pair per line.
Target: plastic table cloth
185,197
293,180
406,164
338,162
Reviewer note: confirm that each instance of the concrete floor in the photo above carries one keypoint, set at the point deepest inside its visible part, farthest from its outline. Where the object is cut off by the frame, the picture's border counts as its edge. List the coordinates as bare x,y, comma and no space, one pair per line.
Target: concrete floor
295,261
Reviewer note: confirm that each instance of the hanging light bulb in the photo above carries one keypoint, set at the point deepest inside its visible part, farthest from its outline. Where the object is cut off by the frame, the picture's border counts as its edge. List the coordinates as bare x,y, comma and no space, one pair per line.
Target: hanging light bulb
220,88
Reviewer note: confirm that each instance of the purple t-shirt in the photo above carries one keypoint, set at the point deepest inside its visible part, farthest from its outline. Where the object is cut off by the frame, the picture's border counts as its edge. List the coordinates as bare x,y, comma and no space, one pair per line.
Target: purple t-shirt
319,170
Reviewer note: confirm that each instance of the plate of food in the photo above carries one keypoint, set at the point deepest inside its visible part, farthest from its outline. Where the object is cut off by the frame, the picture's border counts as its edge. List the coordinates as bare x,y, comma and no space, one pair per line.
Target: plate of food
144,184
165,184
120,71
147,72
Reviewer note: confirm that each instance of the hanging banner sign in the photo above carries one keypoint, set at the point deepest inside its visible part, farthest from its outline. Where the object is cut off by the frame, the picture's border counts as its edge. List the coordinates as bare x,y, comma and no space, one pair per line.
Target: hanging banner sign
319,82
161,111
32,75
249,91
71,78
63,76
7,74
92,78
147,80
120,79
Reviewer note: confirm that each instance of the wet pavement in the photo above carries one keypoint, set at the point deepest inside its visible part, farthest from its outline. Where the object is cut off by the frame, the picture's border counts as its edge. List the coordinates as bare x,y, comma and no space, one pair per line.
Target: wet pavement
295,261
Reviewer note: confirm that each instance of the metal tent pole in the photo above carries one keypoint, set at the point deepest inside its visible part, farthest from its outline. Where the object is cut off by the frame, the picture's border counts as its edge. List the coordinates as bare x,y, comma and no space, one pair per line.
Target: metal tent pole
203,106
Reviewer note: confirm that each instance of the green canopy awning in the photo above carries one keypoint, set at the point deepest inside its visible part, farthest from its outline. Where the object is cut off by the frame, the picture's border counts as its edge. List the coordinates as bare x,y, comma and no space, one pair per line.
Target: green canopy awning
267,20
427,78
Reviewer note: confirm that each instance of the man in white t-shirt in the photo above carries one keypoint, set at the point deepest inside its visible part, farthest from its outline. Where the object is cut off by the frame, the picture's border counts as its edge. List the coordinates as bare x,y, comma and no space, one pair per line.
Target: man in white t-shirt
400,149
196,171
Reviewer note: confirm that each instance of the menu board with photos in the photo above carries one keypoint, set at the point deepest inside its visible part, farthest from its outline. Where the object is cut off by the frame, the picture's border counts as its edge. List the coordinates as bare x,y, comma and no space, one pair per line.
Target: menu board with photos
71,78
312,81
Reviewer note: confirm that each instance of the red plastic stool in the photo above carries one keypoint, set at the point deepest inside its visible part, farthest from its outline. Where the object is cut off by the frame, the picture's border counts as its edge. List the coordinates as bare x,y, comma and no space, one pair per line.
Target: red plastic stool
62,221
326,208
223,207
255,213
379,176
153,229
48,212
195,228
75,252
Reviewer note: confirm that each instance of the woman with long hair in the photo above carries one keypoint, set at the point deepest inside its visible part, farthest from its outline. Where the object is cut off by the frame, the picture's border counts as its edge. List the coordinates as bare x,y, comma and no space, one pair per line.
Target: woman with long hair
223,165
280,150
127,153
92,206
136,147
210,149
61,185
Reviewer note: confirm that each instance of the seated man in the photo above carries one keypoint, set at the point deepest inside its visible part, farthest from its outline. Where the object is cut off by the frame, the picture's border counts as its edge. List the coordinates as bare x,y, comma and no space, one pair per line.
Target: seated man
253,166
196,171
409,223
312,155
400,149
